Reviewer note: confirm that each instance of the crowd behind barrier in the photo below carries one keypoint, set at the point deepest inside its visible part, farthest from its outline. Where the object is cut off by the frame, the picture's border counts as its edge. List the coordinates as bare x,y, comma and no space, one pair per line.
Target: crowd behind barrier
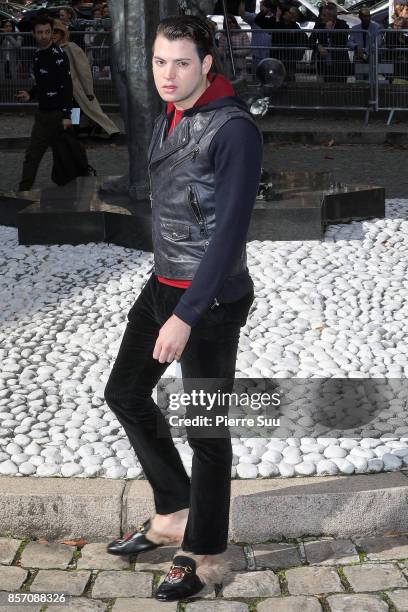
342,69
322,70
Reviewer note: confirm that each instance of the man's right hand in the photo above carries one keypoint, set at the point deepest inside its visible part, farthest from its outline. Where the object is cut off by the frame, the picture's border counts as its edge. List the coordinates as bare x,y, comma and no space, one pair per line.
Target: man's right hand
23,96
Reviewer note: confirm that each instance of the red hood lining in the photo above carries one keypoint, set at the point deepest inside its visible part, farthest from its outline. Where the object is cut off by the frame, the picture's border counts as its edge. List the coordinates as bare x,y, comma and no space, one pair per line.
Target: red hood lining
219,88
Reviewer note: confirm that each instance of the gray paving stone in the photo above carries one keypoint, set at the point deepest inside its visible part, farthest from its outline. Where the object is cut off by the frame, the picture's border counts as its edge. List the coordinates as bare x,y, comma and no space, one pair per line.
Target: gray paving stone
374,577
313,580
160,559
356,602
21,607
384,548
123,584
11,577
8,605
252,584
94,556
47,556
217,606
78,604
399,598
57,581
157,560
236,556
299,603
126,604
8,550
276,555
330,552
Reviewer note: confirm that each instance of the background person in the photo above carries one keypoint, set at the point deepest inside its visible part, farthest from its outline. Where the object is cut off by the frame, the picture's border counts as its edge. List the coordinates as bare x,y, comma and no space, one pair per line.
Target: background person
332,58
266,18
67,16
82,81
363,36
239,39
10,44
294,43
53,90
396,44
260,40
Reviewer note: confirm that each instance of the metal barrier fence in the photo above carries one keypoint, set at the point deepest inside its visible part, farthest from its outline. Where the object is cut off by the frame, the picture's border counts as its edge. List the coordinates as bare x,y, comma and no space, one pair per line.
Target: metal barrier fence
391,63
16,58
323,68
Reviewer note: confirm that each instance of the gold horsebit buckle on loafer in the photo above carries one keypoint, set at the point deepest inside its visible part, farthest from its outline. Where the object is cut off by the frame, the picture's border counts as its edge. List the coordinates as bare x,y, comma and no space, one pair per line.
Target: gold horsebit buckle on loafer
175,575
140,528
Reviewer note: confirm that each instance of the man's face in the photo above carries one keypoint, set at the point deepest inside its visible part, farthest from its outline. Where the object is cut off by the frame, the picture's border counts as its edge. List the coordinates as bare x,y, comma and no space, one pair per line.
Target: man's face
63,15
365,17
178,73
43,35
329,14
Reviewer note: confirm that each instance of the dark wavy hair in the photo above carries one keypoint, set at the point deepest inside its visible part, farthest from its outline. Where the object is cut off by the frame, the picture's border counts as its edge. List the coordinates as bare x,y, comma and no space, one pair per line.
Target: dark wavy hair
13,25
43,19
191,27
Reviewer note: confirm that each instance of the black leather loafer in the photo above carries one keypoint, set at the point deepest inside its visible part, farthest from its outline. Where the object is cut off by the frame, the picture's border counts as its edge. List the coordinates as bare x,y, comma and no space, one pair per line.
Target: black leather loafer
133,543
181,581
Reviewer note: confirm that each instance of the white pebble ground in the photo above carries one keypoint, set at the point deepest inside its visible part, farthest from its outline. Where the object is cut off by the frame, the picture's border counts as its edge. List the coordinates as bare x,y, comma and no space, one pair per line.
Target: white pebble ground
331,309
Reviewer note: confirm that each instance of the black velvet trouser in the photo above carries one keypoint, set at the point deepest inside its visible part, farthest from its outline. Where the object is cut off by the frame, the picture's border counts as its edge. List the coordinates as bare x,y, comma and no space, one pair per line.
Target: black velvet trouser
210,353
47,126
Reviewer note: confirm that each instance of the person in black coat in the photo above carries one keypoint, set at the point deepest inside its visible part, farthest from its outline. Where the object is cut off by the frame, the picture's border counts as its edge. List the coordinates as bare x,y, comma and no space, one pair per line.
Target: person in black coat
330,46
292,43
266,17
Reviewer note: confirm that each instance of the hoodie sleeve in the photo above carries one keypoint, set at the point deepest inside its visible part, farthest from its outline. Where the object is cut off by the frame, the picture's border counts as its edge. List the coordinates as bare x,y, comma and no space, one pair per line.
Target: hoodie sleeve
236,151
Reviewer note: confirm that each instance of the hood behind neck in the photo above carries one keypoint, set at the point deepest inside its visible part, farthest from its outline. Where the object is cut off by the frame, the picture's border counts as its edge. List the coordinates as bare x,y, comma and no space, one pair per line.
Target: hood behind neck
220,93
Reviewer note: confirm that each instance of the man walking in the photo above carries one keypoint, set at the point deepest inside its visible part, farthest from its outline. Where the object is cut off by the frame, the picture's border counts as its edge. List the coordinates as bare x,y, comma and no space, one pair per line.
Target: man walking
204,165
53,89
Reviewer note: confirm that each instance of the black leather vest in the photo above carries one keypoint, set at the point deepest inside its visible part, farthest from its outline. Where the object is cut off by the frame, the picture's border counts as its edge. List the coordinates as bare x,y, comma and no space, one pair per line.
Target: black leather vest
183,191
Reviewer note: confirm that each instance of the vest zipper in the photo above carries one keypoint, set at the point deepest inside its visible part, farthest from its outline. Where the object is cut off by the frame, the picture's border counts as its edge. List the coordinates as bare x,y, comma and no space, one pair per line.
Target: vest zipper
150,192
193,154
193,199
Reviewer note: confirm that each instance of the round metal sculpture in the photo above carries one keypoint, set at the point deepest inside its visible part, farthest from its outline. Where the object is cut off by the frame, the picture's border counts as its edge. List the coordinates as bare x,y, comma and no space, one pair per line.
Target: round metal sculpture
271,73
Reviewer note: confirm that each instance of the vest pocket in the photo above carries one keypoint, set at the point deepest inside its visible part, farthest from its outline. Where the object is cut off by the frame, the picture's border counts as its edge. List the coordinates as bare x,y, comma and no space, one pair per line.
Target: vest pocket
175,231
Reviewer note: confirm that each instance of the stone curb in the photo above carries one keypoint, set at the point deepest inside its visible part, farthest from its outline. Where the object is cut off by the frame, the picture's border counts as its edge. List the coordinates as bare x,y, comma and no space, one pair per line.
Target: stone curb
334,137
98,509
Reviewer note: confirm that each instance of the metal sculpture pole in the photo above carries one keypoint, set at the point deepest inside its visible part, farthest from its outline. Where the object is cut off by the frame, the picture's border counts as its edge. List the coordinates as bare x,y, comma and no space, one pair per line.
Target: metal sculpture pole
229,43
134,24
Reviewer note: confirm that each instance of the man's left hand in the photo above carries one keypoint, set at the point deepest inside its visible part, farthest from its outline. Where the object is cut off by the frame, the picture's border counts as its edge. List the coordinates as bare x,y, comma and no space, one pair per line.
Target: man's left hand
173,337
66,123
